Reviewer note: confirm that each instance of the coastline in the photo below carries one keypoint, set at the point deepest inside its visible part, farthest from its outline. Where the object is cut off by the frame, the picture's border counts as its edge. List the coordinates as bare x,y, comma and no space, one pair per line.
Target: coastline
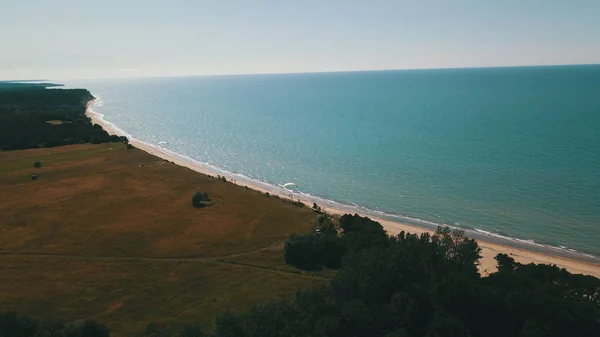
491,245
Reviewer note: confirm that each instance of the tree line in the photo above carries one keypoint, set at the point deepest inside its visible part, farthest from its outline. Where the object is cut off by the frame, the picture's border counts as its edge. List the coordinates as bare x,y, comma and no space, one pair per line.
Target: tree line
32,116
15,325
418,285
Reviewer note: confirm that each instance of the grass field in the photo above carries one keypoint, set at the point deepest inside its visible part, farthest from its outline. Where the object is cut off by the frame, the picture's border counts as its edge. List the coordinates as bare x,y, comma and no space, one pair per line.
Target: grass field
110,233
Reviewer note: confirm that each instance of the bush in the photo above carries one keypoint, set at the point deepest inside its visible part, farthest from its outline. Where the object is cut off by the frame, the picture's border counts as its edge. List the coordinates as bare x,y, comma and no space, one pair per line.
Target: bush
37,164
199,199
130,147
298,203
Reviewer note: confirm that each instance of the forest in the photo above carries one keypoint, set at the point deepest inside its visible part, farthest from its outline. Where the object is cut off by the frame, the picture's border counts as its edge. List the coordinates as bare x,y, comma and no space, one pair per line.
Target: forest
419,285
33,116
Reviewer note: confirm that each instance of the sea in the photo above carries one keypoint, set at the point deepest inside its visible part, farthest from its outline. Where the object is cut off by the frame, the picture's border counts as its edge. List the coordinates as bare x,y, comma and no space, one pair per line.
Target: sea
510,153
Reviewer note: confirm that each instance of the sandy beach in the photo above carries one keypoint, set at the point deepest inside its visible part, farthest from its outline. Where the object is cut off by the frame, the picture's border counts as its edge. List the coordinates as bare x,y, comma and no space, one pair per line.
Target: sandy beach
489,249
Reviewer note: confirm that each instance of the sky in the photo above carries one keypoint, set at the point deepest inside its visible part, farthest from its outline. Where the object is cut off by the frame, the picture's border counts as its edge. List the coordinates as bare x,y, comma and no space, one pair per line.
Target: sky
71,39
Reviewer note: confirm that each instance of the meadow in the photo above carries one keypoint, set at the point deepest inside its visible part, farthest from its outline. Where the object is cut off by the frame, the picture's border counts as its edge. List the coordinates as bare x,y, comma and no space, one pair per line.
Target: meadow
110,233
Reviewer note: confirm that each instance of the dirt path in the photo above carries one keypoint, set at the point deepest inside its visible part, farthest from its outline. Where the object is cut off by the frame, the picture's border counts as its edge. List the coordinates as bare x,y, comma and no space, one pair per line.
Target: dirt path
222,259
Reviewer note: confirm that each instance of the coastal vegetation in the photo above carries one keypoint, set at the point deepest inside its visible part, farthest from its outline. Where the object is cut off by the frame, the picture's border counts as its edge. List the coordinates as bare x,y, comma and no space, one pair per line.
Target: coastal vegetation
32,116
14,325
325,248
426,285
314,251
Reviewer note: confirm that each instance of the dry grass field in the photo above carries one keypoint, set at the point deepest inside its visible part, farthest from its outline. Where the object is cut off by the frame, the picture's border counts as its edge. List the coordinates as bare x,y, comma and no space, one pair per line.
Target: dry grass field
110,233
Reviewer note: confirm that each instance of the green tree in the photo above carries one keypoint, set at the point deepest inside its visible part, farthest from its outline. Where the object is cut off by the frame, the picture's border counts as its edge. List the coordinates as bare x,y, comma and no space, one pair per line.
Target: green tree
192,331
505,263
15,325
325,225
300,251
87,328
198,199
231,325
311,251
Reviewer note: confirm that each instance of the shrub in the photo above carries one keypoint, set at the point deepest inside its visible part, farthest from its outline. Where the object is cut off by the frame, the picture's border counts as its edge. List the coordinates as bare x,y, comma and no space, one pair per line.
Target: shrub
37,164
199,198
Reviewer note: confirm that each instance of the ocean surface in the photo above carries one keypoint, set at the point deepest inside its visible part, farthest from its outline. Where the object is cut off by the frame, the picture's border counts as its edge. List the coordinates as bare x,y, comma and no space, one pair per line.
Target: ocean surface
511,152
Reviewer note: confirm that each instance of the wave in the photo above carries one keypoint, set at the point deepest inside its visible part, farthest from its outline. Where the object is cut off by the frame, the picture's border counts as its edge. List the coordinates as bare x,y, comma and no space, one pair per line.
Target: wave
239,178
98,102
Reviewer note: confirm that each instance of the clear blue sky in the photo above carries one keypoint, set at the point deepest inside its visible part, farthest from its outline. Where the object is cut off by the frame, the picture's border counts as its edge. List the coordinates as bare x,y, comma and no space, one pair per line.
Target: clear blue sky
62,39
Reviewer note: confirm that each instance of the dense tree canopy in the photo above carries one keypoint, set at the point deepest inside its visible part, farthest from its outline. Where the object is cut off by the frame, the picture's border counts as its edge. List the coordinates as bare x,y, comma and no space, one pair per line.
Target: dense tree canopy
421,285
15,325
32,116
326,248
313,251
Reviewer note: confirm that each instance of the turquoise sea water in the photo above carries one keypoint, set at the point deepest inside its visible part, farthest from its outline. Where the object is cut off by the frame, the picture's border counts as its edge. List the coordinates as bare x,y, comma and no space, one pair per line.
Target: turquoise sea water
513,151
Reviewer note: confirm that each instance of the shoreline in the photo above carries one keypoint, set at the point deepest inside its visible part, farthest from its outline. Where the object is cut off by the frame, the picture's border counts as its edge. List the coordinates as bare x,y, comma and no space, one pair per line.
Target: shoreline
574,262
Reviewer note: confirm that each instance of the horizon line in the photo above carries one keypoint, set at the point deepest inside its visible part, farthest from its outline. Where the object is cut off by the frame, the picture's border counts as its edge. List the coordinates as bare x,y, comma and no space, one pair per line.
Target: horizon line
317,72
